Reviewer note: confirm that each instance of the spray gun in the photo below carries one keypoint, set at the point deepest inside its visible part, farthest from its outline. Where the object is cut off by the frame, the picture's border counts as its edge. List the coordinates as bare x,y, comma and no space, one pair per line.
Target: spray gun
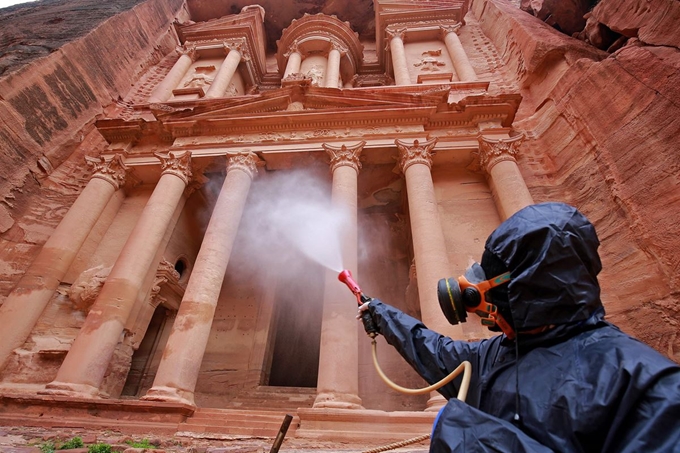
346,278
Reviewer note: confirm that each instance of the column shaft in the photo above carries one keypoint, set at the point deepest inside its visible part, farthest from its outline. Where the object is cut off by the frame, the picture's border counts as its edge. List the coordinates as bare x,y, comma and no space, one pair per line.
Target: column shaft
84,367
163,91
338,379
179,368
293,64
459,58
399,64
25,304
429,245
508,188
224,75
332,69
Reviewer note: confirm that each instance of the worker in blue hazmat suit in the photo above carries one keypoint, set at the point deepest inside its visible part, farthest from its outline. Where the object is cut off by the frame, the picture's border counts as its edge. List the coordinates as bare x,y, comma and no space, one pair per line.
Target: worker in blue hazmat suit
559,378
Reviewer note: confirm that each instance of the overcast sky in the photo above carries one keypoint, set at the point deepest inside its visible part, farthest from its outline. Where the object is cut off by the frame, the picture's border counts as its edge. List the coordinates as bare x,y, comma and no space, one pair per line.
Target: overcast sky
5,3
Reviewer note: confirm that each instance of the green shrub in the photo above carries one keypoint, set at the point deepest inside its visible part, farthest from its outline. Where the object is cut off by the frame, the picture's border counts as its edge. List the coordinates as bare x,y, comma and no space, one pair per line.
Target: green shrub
47,447
99,448
76,442
144,443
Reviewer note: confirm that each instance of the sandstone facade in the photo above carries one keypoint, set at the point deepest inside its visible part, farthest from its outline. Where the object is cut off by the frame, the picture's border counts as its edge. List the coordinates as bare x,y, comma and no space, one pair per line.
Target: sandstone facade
157,277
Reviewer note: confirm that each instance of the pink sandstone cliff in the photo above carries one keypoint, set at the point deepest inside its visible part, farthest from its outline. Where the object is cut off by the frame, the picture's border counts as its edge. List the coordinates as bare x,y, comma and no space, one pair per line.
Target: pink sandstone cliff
603,135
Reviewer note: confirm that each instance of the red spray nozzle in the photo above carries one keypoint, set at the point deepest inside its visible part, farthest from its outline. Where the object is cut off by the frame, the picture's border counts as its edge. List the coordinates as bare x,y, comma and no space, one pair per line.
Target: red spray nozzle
346,278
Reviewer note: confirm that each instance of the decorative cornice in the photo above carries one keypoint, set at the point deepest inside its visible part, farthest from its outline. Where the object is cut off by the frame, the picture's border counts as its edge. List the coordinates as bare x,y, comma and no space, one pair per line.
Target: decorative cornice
178,164
245,161
344,156
493,151
112,171
416,154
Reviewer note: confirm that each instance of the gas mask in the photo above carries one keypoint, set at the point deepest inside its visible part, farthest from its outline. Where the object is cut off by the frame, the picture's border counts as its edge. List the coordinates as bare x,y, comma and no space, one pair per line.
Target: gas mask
473,293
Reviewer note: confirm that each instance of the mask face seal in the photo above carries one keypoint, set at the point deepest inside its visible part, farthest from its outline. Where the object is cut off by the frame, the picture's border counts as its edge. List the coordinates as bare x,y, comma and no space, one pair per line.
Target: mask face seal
469,293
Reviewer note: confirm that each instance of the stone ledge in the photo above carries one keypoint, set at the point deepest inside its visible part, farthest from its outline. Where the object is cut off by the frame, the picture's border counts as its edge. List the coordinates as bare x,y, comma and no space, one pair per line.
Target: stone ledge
363,425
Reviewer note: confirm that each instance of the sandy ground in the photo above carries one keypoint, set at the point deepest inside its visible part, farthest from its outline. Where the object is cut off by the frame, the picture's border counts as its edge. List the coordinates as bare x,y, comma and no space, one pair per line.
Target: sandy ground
29,440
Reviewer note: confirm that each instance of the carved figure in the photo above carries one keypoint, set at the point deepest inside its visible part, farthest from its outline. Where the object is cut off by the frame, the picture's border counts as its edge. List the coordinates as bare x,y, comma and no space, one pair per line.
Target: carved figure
86,287
316,74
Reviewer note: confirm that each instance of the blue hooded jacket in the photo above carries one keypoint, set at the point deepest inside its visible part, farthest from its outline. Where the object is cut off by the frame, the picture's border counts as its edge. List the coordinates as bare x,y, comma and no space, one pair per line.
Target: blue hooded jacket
582,386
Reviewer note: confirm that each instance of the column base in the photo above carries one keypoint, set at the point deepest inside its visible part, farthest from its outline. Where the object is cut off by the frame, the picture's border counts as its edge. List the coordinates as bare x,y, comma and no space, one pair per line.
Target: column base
435,403
72,390
337,401
169,395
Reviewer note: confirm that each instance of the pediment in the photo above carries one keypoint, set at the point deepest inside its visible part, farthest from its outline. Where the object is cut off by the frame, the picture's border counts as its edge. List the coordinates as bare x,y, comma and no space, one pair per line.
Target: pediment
298,101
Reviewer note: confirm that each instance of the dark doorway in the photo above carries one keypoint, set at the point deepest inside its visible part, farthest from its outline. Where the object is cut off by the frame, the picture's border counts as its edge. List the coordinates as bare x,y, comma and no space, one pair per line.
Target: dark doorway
146,358
299,307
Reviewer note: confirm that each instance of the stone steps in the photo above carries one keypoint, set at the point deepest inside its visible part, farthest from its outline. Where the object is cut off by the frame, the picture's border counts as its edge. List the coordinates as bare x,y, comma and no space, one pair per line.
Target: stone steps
269,398
256,423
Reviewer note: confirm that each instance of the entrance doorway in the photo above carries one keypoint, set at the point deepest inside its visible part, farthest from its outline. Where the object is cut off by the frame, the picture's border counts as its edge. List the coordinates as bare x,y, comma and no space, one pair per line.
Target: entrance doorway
299,308
147,357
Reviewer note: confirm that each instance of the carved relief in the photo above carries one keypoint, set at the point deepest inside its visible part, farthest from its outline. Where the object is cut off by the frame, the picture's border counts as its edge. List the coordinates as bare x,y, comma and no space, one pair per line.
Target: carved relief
416,154
344,156
112,170
263,137
86,287
492,151
200,78
178,164
315,73
429,62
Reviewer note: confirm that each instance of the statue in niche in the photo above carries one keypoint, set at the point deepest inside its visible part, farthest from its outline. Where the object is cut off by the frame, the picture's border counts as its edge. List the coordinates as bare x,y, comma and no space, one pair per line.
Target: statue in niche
429,62
231,90
200,78
316,74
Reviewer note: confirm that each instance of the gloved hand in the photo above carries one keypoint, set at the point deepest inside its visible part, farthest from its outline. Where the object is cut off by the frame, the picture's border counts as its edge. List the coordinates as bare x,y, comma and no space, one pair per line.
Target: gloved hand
367,319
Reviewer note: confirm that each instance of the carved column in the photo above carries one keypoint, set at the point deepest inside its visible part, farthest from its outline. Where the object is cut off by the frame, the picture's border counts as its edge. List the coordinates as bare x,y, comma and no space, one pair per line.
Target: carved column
498,159
338,380
83,369
399,64
164,89
25,304
429,246
294,61
333,65
458,56
227,70
178,371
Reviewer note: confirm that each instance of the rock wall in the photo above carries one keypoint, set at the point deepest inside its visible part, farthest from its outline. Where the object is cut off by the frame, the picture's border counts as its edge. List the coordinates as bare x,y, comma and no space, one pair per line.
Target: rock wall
54,83
602,134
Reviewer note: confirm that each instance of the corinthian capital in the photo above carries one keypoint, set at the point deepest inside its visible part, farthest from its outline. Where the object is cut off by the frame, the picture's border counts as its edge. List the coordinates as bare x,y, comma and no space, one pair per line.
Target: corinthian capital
245,161
344,156
493,151
178,164
112,170
418,153
449,28
188,51
395,32
239,45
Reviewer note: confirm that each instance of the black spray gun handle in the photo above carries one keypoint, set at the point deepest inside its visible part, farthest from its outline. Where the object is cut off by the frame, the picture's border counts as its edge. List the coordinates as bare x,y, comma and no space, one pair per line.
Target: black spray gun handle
366,318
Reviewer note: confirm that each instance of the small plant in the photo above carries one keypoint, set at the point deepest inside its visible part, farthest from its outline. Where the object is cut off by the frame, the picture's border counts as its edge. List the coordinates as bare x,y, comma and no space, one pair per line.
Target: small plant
76,442
144,443
99,448
47,447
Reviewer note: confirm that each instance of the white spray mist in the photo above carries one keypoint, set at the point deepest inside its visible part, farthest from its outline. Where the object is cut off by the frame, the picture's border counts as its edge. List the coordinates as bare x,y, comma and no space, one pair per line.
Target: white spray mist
293,209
